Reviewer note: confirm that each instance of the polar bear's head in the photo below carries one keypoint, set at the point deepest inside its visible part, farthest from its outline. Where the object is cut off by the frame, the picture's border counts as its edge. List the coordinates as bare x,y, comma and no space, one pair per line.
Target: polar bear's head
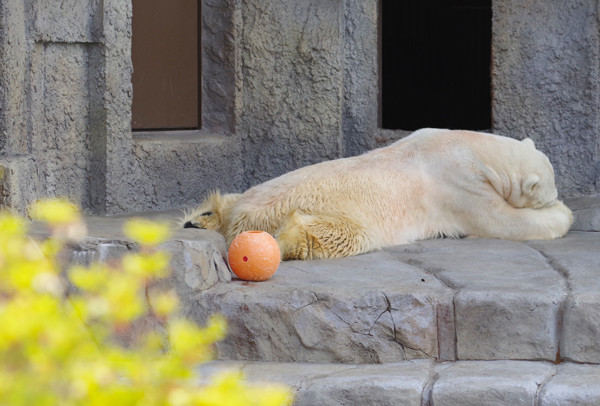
536,180
210,213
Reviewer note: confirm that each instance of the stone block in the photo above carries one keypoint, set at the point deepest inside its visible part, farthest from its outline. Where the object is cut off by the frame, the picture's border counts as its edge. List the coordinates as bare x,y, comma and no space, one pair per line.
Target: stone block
333,311
112,251
197,163
423,382
505,324
60,115
493,383
578,258
368,385
581,328
507,295
361,81
586,213
13,82
67,20
19,186
336,384
196,266
573,385
5,188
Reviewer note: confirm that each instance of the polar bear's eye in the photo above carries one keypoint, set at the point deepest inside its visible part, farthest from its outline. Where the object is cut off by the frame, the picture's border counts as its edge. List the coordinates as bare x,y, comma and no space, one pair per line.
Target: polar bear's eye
208,213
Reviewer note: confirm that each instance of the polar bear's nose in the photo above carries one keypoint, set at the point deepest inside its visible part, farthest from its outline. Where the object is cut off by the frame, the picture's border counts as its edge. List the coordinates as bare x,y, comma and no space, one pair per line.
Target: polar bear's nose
189,224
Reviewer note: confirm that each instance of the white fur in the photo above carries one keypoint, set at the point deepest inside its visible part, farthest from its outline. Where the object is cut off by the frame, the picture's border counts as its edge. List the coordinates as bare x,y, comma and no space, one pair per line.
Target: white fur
432,183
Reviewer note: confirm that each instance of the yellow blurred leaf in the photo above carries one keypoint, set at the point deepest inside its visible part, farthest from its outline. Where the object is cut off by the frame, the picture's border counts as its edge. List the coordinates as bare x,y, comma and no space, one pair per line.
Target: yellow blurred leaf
55,211
146,232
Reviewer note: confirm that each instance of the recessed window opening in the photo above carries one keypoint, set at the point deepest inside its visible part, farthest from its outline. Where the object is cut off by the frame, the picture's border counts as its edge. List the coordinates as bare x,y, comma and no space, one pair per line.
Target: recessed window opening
166,63
435,64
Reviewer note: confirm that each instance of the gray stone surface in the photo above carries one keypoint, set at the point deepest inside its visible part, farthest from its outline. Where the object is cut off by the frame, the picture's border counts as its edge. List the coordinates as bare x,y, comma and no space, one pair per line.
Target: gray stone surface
586,213
493,383
447,299
297,105
507,296
63,120
196,265
198,257
100,250
545,78
190,162
337,384
66,21
343,310
18,182
573,385
423,382
13,90
578,258
361,68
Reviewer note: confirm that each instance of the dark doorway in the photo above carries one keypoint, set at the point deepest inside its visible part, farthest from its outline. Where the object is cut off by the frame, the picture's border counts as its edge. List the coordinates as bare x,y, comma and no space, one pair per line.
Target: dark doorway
435,64
165,54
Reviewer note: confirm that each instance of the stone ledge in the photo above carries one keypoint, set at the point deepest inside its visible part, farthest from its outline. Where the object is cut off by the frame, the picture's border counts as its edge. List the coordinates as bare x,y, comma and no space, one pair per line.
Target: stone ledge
586,213
198,257
344,310
470,299
424,382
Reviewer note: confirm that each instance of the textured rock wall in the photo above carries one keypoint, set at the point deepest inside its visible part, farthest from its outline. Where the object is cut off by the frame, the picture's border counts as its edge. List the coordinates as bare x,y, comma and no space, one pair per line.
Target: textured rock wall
180,170
546,84
60,113
45,108
292,70
361,76
13,139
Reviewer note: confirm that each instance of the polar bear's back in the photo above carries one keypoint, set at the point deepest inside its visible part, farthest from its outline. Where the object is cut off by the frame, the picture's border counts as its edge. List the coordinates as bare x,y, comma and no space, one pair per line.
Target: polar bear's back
383,184
421,185
379,180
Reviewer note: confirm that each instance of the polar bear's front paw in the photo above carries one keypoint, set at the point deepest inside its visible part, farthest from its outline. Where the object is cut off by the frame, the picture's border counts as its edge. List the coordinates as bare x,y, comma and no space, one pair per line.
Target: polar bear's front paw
562,218
304,249
298,244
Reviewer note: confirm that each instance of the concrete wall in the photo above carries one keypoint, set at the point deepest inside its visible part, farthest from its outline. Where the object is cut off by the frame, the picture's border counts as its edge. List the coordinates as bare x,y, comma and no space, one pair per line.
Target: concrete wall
546,84
286,83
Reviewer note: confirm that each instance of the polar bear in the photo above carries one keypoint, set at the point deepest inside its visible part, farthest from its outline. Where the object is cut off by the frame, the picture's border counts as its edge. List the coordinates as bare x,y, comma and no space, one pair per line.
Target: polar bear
433,183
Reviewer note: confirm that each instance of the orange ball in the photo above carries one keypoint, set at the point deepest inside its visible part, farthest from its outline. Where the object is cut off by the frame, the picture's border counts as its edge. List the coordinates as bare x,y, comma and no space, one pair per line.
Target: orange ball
254,255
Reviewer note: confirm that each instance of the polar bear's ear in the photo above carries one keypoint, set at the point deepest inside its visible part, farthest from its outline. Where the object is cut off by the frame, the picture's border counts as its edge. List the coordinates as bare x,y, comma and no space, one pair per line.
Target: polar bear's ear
529,184
529,142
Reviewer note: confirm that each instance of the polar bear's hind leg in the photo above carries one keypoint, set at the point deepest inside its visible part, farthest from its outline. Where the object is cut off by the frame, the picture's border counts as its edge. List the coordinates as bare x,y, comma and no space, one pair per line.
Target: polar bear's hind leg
323,235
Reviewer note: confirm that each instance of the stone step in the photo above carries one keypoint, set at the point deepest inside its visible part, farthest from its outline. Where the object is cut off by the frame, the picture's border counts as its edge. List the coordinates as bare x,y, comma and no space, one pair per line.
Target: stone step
469,299
424,382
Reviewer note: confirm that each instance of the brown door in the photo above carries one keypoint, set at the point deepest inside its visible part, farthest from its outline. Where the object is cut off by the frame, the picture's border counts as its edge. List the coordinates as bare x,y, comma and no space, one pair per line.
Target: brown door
165,53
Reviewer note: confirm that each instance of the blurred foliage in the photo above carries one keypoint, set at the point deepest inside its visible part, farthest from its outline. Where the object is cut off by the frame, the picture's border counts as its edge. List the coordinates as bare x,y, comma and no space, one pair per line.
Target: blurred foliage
81,335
